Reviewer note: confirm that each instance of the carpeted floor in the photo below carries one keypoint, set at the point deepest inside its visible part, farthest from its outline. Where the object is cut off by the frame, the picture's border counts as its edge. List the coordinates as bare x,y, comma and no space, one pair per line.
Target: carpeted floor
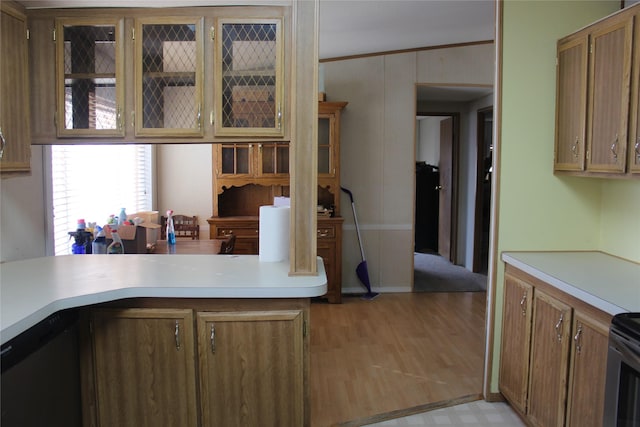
432,273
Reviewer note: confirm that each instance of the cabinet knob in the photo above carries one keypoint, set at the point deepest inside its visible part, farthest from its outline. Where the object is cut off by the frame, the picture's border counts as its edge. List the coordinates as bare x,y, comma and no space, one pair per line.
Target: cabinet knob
575,146
559,327
119,119
577,339
177,335
3,143
523,304
212,338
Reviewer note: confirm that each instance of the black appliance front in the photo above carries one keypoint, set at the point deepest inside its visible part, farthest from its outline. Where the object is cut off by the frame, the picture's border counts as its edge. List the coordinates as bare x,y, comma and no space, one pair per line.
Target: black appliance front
622,394
40,382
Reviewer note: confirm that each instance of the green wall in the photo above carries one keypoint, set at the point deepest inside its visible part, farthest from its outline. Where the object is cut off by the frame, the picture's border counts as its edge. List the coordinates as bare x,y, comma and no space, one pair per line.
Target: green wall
537,210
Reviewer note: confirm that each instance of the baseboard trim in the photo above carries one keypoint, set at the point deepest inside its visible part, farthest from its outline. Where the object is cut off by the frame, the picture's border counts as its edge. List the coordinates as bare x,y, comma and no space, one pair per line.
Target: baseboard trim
410,411
355,291
494,397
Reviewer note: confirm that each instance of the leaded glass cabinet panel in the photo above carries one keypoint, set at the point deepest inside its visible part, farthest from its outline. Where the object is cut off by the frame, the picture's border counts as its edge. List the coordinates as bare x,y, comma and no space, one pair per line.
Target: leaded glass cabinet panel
169,64
89,77
248,73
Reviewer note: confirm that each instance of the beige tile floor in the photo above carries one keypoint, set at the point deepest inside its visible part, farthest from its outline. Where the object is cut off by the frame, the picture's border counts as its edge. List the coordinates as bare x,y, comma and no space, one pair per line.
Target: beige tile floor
476,414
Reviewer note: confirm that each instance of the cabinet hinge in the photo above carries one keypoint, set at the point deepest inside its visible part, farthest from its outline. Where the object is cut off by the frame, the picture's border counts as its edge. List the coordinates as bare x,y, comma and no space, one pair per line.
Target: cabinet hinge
28,34
591,48
212,33
133,34
54,34
304,329
91,327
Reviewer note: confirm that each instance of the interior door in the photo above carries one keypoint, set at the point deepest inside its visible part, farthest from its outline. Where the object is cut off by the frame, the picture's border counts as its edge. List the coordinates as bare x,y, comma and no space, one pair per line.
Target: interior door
445,187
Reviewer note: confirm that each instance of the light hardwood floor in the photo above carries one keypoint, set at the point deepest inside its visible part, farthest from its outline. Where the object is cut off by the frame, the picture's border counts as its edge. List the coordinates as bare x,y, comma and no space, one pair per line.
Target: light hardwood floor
395,352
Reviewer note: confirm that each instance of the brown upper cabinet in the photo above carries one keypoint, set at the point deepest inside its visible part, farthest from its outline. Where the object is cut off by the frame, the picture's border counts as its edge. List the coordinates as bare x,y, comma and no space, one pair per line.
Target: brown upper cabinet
571,104
15,149
162,75
169,67
89,77
594,94
248,71
634,138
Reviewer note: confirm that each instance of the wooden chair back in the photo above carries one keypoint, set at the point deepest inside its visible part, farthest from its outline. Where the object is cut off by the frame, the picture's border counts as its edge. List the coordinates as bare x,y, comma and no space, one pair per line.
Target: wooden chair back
185,226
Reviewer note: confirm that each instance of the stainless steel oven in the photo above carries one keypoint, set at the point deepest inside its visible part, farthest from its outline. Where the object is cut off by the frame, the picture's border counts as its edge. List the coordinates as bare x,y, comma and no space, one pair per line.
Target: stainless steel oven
622,399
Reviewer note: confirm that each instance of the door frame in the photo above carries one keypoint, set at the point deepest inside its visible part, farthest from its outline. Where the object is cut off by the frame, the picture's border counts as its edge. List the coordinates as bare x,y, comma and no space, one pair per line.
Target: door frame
454,177
479,196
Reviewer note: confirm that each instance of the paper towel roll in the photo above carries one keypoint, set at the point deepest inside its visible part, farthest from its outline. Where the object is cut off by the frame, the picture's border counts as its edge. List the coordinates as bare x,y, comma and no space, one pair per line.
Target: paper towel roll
274,233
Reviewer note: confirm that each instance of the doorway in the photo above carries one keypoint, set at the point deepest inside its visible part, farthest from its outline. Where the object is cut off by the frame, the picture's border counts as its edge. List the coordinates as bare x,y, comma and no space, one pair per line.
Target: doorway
436,184
484,171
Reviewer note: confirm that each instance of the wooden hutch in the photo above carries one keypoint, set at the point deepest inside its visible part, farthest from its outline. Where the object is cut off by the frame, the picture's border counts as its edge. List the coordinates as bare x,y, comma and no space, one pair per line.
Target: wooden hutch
249,175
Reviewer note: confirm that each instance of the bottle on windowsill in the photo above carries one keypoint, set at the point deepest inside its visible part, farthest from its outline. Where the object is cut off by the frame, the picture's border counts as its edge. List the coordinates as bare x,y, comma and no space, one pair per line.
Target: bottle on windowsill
116,247
171,232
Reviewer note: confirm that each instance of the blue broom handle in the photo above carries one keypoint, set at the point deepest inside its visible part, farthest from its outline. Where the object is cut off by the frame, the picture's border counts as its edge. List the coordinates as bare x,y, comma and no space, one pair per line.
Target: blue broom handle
355,220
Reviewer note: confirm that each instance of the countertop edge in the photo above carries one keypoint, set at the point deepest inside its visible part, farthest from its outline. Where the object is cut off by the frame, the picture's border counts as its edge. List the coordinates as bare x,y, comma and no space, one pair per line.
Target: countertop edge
569,288
292,287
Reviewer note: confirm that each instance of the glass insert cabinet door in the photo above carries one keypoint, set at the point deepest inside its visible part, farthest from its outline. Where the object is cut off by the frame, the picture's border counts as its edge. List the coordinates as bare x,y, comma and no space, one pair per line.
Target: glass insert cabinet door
270,159
274,159
169,67
89,77
248,73
235,160
325,146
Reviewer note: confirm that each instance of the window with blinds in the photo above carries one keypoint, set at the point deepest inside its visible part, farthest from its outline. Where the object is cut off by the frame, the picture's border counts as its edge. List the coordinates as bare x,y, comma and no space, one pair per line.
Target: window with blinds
94,181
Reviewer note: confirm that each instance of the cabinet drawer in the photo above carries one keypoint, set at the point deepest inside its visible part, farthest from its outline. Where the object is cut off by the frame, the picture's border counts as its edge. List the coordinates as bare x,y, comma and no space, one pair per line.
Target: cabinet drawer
326,232
238,231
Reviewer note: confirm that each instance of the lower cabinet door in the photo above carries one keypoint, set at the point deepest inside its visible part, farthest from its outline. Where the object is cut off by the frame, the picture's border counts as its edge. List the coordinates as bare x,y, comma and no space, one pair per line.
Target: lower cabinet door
144,367
588,372
251,368
516,340
548,367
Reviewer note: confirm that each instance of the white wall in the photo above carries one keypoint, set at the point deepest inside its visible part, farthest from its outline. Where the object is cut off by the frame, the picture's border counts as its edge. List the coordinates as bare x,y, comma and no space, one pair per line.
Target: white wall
22,221
185,179
428,140
378,150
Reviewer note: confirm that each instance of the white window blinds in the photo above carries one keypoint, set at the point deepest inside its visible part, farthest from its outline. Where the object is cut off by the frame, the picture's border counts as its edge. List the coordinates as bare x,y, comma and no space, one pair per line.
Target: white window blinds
94,181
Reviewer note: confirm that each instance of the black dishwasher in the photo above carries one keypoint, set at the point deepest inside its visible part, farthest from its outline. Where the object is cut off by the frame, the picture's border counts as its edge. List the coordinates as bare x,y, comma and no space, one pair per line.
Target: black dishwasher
40,382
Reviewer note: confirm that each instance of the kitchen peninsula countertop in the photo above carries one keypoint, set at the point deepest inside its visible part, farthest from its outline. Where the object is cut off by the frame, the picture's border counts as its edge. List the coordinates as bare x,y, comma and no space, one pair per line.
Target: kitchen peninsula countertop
32,289
606,282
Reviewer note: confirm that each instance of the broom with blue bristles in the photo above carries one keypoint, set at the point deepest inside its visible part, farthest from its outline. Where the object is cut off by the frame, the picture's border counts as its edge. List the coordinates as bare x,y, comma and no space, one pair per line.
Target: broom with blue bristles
361,270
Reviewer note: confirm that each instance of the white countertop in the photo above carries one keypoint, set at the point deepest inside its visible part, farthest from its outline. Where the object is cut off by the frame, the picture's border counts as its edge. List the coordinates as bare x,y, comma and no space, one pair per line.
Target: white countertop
31,290
609,283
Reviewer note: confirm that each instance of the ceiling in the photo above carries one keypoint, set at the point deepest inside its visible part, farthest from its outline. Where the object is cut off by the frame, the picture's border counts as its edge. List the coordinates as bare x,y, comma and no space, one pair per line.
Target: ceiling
360,27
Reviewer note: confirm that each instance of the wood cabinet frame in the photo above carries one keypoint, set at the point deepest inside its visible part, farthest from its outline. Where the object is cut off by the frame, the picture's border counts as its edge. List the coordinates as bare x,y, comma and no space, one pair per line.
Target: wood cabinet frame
43,80
634,126
552,380
118,24
140,129
15,136
295,310
279,113
597,98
